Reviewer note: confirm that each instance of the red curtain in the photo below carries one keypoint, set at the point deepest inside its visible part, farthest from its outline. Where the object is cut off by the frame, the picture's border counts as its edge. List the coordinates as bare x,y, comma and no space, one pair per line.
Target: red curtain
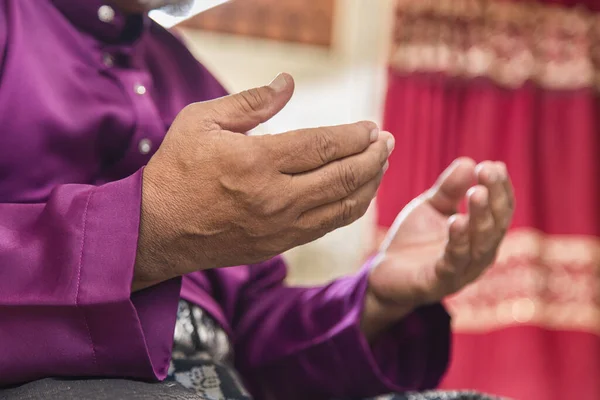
517,82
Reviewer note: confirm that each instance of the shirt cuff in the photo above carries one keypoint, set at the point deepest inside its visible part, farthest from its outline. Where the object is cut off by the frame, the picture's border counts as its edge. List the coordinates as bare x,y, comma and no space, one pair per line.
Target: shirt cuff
130,335
411,355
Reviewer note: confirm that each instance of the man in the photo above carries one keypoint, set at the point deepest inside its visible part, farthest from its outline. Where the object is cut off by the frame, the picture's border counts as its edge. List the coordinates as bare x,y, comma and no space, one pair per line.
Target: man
93,245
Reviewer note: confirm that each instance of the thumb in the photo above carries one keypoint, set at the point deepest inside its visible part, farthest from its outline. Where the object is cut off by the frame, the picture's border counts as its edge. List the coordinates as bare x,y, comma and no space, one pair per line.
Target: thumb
452,186
246,110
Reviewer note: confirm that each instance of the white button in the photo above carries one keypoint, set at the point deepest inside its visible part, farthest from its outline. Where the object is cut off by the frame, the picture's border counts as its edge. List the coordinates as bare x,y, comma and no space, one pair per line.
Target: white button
145,146
140,89
106,14
108,60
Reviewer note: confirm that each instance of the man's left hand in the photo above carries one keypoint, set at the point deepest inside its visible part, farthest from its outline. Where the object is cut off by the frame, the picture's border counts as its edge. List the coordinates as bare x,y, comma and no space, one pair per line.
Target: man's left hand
431,251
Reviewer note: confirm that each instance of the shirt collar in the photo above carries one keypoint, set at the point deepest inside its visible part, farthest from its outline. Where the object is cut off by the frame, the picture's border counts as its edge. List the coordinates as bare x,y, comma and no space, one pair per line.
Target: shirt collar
102,20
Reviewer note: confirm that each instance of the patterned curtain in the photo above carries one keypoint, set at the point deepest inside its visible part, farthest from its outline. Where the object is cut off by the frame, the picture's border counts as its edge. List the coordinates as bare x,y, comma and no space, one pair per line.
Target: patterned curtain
514,81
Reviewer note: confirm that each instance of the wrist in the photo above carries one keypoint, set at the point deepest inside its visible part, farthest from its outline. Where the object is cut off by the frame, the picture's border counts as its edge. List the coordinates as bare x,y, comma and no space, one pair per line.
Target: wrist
379,315
152,264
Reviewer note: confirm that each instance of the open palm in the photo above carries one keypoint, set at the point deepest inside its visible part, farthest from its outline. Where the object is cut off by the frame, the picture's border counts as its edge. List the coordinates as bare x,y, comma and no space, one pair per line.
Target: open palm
431,251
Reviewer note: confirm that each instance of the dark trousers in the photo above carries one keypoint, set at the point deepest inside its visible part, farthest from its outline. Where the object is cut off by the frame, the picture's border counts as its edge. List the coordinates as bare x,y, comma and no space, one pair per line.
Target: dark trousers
98,389
119,389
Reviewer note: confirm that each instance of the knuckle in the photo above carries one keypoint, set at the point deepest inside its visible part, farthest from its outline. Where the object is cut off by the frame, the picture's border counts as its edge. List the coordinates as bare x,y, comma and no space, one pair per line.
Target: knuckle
188,114
460,250
329,186
350,208
325,146
263,208
199,116
346,211
348,177
271,207
480,254
275,155
252,100
259,231
486,224
325,225
270,201
199,113
363,208
446,274
189,110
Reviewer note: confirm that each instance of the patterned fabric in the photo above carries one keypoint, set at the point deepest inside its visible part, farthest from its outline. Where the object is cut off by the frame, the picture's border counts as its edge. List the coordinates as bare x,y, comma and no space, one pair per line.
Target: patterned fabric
203,358
507,42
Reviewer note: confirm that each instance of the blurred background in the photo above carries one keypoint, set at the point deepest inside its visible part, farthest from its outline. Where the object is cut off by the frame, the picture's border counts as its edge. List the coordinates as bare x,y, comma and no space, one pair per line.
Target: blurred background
508,80
337,52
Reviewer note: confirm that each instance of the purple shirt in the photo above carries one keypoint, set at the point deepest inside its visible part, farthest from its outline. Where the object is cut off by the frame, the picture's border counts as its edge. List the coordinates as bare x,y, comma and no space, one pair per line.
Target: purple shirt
83,106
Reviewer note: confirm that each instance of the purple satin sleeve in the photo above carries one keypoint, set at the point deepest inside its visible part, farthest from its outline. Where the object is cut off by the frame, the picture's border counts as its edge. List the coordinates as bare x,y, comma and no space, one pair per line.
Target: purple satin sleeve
66,308
3,33
306,343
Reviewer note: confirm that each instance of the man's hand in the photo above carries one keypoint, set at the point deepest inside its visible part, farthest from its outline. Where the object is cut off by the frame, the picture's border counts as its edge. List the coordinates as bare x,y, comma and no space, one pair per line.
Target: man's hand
213,197
431,251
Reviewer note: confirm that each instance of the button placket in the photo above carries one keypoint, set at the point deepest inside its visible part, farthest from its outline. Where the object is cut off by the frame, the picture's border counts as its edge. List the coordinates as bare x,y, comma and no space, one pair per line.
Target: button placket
145,146
150,128
139,89
106,14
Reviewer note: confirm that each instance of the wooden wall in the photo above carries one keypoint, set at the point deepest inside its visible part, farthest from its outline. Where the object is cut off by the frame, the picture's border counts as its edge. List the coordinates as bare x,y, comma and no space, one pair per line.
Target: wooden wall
302,21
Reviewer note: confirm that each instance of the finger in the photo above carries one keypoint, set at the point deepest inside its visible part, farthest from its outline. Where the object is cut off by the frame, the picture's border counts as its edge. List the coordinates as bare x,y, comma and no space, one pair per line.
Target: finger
341,178
508,187
322,220
451,187
482,228
307,149
458,249
457,255
493,176
246,110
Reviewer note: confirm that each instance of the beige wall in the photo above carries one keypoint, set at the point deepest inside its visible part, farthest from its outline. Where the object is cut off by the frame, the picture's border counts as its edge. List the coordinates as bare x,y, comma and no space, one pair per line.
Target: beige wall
335,86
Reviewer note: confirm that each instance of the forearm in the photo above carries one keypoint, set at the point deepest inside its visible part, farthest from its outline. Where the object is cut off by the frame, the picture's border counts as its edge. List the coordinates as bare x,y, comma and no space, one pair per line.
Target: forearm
315,335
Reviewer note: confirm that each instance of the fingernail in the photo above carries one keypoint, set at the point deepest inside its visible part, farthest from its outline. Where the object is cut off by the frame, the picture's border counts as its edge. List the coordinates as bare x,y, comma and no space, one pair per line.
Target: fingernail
390,145
279,83
478,169
475,194
374,134
386,166
492,176
452,219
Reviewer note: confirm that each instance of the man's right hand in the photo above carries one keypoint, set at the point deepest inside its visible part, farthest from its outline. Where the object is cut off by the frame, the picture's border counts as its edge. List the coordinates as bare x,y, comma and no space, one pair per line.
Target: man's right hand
213,197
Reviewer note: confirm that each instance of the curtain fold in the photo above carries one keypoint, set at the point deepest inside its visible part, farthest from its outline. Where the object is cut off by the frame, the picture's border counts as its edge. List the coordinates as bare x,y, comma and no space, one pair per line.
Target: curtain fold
515,81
